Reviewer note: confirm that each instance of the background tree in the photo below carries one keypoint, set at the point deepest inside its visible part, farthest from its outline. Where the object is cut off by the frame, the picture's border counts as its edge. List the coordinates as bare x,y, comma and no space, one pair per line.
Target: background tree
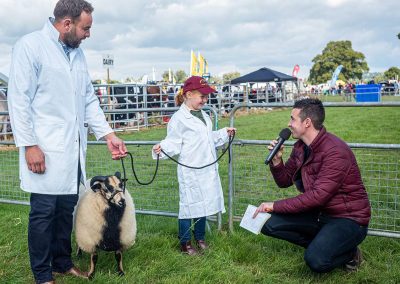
227,77
165,76
392,73
334,54
379,77
130,80
215,80
180,76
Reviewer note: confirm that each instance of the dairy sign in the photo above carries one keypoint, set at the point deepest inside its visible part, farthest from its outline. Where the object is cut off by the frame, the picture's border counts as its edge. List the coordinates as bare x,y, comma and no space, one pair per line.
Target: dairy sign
108,61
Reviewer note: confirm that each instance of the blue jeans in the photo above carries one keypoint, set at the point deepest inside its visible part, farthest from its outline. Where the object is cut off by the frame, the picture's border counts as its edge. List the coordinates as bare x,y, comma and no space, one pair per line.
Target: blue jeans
49,233
329,242
199,229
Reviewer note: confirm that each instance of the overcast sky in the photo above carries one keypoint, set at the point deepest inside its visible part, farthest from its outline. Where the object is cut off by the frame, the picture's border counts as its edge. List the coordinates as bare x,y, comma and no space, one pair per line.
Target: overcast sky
233,35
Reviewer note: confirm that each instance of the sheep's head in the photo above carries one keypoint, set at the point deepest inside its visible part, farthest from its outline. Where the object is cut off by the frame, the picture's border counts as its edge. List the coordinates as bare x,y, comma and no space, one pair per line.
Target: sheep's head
110,187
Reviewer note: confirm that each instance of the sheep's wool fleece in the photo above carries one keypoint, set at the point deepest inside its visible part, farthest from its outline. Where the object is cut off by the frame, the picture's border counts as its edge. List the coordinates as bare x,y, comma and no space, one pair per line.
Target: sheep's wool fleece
90,222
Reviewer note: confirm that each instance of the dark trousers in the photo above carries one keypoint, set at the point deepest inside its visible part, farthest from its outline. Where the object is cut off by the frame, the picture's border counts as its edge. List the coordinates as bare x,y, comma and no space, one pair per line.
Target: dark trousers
49,233
185,229
329,242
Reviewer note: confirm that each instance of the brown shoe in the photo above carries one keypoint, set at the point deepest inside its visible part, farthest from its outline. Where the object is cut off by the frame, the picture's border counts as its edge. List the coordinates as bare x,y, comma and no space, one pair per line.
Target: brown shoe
74,271
188,249
202,245
355,262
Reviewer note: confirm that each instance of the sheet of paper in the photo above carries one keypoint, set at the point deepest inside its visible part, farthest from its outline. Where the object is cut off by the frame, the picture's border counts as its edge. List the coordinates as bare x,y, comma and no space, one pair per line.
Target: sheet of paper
253,225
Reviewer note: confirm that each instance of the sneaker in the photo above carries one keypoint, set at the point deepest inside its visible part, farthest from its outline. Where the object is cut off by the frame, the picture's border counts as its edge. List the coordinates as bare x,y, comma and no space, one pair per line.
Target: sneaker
355,262
187,248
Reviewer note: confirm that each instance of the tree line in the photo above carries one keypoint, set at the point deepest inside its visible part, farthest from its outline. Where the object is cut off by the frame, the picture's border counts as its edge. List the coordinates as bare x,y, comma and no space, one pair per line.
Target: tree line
334,54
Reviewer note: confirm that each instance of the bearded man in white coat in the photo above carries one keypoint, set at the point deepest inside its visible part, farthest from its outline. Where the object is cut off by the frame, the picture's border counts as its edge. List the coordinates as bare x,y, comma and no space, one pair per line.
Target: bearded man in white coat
52,104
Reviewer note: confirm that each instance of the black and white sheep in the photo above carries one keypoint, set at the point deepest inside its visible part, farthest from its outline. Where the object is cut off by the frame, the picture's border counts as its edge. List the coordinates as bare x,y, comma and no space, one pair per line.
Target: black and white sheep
105,219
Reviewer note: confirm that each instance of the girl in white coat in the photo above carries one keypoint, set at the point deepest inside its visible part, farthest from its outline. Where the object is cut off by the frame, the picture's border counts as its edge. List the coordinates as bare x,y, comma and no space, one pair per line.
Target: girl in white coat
190,136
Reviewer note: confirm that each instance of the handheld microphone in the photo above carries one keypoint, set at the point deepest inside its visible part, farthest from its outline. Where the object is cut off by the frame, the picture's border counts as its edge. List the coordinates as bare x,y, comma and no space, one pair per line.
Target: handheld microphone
283,136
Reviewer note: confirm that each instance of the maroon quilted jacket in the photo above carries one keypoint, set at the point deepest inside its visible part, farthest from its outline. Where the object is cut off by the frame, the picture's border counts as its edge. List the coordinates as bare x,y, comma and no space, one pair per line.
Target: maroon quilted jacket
331,180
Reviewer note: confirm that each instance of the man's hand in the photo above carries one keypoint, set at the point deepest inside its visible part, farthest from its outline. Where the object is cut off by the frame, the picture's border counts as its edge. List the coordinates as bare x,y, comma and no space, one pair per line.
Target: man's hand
116,146
264,207
276,160
35,159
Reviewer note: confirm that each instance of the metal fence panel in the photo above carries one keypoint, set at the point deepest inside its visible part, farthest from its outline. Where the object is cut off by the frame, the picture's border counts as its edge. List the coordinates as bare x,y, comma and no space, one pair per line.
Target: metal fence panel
9,173
161,196
253,182
250,181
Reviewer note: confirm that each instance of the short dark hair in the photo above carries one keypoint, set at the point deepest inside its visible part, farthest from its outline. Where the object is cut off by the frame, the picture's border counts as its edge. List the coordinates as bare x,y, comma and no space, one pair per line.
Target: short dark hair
312,108
71,8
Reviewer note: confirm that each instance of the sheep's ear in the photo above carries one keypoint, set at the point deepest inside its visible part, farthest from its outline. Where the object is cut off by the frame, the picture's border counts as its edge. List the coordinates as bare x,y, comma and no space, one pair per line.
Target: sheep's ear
96,186
118,175
97,179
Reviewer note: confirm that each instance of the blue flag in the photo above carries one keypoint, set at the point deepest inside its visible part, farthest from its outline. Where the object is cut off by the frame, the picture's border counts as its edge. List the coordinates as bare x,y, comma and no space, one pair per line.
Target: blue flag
335,75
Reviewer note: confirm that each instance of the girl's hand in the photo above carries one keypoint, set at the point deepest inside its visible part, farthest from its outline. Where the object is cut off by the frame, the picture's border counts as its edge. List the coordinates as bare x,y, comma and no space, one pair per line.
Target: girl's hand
231,131
157,149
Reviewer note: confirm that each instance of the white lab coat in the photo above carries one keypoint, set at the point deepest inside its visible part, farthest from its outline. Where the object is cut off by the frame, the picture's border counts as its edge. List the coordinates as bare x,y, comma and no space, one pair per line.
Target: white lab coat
51,104
200,191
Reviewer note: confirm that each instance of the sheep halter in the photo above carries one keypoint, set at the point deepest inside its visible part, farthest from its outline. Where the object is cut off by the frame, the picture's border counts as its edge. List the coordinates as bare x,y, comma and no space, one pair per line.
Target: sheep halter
115,193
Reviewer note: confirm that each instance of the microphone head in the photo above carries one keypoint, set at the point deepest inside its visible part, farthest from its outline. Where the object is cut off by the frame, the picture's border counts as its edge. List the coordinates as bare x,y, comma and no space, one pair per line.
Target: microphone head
285,133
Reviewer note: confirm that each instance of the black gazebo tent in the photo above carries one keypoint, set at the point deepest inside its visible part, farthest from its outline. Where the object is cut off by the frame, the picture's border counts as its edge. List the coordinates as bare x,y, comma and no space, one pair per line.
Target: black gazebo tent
266,75
263,75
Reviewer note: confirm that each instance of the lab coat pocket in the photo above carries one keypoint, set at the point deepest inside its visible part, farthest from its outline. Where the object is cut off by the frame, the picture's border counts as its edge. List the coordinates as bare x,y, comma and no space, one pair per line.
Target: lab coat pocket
51,136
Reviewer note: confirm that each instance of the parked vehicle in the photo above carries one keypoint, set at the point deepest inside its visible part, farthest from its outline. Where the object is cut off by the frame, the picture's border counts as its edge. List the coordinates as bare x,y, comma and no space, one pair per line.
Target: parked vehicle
387,88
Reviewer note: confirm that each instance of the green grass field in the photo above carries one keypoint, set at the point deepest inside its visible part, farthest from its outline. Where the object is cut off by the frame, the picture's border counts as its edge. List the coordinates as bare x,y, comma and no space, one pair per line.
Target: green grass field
238,257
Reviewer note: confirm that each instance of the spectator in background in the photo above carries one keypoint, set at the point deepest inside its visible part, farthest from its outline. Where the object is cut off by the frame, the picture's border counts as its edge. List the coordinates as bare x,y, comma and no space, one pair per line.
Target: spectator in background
98,95
171,96
340,89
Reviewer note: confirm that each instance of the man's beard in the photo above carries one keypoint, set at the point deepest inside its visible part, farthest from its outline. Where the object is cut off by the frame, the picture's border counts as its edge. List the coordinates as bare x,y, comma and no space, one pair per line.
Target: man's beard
71,39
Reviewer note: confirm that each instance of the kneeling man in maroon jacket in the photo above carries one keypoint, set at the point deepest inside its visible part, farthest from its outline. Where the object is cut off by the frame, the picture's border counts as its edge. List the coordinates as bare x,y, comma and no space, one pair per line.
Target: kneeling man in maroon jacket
331,214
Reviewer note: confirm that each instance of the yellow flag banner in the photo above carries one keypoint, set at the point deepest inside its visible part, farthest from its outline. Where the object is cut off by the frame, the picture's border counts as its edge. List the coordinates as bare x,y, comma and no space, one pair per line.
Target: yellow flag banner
193,65
201,60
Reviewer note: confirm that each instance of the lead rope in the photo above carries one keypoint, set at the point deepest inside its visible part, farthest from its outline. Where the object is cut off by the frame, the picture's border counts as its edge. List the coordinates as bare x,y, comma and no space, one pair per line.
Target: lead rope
134,172
202,167
158,158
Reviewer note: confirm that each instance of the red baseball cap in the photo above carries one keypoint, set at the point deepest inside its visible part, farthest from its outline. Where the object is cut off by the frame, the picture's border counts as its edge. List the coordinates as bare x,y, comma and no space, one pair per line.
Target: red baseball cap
197,83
